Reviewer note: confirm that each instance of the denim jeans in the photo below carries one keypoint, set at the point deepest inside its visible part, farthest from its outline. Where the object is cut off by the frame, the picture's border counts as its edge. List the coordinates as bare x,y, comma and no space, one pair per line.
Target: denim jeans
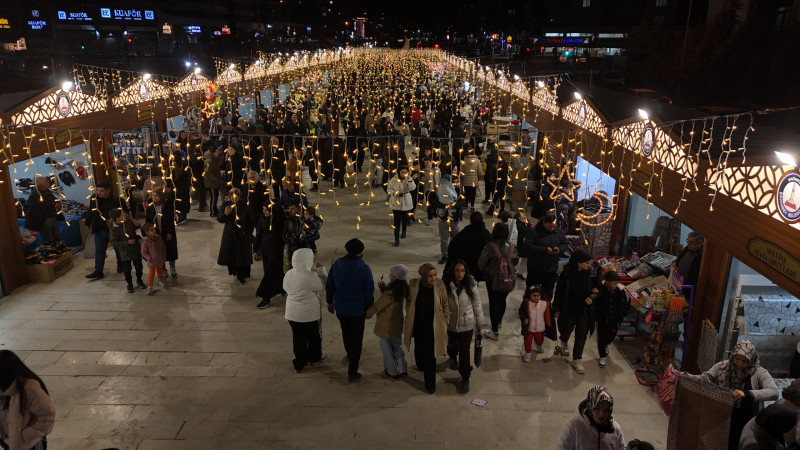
447,230
394,359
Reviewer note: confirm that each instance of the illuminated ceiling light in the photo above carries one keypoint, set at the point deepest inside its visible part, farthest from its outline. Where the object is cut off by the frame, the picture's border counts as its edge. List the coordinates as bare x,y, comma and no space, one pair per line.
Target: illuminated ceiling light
147,76
516,77
67,85
643,114
232,66
197,70
786,158
540,84
578,95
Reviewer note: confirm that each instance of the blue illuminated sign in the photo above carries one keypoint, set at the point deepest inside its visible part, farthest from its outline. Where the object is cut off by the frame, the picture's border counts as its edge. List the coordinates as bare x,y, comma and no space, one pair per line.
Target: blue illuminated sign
74,16
127,14
192,29
37,24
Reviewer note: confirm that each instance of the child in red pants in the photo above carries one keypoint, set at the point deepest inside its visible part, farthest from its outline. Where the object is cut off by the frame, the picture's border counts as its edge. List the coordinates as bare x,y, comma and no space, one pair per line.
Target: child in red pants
155,253
534,313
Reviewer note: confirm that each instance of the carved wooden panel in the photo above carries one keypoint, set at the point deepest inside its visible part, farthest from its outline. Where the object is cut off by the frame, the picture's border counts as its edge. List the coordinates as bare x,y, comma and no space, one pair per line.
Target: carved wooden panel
140,91
582,114
654,143
190,83
228,76
58,105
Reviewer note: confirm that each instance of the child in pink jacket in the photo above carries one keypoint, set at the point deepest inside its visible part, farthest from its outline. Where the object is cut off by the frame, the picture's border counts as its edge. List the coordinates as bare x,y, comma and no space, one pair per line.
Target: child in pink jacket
155,253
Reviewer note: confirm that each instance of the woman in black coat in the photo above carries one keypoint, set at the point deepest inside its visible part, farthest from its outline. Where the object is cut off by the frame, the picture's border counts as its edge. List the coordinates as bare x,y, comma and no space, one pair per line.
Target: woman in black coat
161,213
268,247
235,250
182,180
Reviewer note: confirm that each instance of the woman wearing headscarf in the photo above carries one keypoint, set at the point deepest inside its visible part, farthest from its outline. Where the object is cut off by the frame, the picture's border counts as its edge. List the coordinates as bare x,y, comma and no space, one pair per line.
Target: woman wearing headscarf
594,427
427,316
749,382
235,250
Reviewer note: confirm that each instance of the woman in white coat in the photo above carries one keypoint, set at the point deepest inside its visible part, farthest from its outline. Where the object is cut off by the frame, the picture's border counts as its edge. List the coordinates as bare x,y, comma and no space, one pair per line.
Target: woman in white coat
399,189
594,428
750,384
466,315
302,286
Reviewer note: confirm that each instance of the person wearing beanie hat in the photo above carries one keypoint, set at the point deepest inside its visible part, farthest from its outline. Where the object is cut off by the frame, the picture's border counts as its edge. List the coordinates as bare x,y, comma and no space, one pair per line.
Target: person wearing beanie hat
610,307
349,293
427,316
389,325
572,301
399,189
448,209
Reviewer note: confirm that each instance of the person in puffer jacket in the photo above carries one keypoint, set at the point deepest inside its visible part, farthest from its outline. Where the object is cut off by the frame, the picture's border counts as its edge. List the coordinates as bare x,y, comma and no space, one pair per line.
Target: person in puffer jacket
302,284
466,315
594,428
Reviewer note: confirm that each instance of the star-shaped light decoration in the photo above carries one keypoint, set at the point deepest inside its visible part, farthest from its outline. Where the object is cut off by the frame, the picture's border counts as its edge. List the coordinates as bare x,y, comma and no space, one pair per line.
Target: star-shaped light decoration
558,191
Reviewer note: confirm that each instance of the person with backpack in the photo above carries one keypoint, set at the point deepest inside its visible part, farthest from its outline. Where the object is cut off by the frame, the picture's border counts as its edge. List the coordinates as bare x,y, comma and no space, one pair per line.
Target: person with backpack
497,262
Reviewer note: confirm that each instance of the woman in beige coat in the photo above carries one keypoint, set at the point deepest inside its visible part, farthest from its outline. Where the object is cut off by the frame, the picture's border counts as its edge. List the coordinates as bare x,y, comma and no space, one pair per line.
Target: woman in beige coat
27,411
470,174
389,325
427,316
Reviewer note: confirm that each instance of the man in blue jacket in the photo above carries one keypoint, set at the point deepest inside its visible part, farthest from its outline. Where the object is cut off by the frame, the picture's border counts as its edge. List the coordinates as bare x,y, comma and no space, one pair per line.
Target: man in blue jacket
545,243
349,292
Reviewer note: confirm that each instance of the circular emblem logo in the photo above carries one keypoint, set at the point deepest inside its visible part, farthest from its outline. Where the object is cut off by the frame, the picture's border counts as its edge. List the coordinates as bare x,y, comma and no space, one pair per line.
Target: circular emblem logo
193,82
581,114
63,104
648,140
788,197
143,93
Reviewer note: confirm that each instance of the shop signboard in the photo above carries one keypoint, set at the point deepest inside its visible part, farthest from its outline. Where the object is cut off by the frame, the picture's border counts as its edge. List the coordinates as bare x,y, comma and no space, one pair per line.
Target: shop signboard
640,178
144,116
63,104
775,257
132,14
73,16
4,24
788,197
67,136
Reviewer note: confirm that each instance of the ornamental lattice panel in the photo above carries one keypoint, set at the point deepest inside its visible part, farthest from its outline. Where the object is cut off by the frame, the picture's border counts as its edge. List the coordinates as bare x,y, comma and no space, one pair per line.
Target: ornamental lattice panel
140,91
191,83
753,186
228,77
256,70
664,150
58,105
520,90
582,114
544,99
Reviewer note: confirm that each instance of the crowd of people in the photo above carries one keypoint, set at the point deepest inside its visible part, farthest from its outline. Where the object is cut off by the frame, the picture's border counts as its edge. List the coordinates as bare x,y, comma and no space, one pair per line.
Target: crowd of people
426,142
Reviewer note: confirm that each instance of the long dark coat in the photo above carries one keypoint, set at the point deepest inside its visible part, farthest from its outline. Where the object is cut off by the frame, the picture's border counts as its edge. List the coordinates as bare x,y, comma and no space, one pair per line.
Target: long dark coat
167,226
235,249
269,244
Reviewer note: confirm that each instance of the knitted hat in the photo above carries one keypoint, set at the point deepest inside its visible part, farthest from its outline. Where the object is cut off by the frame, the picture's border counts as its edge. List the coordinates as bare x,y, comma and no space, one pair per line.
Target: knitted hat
399,271
580,255
354,247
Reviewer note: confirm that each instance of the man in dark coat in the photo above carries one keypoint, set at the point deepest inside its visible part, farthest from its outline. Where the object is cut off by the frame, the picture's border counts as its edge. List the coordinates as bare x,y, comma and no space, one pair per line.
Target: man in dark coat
544,243
237,168
100,206
235,250
467,245
688,262
196,167
43,214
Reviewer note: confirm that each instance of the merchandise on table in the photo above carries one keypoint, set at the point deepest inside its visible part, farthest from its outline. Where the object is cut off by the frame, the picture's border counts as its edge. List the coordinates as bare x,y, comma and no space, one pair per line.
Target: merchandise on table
660,260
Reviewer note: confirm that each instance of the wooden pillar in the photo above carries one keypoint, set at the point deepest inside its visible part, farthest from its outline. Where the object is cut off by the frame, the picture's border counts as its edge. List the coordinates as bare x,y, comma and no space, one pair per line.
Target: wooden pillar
708,297
12,258
619,227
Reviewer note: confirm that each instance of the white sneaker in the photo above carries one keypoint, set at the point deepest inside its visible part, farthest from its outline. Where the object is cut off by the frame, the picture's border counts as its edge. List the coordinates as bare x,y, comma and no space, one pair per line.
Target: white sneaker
526,358
492,335
601,362
578,366
539,349
150,290
162,282
564,348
